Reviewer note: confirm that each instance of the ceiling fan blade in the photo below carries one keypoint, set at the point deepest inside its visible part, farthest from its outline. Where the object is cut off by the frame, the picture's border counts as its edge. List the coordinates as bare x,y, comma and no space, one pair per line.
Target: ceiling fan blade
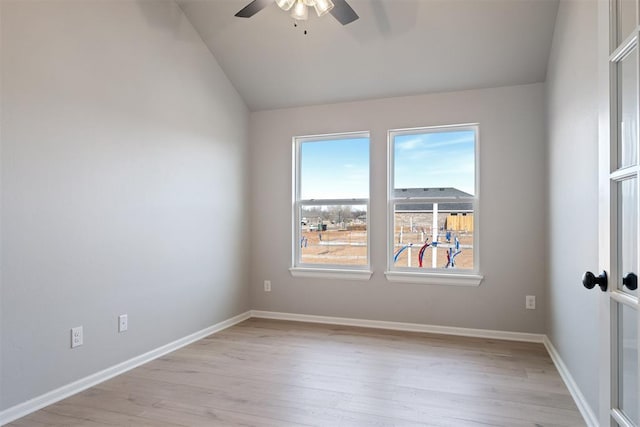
254,7
343,12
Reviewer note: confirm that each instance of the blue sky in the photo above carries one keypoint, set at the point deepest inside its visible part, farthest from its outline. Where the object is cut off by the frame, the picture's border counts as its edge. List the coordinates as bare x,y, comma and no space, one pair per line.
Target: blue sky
335,169
441,159
339,169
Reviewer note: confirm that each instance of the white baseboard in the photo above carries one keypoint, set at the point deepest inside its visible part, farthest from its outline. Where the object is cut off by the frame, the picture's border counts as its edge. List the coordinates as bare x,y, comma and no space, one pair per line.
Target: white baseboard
400,326
25,408
22,409
585,409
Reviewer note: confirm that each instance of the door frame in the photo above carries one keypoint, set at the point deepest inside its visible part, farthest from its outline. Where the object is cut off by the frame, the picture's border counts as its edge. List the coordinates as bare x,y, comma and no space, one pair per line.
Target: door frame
605,86
607,208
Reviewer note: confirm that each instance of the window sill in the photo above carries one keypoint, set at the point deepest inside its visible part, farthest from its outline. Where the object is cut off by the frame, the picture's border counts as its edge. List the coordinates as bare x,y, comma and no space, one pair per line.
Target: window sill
330,273
449,279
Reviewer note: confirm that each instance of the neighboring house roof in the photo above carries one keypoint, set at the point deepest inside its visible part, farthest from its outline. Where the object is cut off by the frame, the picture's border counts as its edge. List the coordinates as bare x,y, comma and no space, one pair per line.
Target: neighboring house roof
429,192
446,193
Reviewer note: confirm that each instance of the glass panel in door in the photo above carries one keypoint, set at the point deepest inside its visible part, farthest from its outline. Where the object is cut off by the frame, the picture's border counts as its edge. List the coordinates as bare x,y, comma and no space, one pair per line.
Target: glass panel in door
627,232
627,13
628,109
628,362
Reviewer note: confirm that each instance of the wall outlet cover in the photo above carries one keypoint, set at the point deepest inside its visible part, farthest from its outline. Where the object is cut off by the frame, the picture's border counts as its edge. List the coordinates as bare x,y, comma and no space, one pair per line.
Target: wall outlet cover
123,322
530,302
77,338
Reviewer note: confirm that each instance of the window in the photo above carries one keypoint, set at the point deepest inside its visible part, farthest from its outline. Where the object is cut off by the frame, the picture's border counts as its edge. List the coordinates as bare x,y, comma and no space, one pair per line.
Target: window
331,206
433,205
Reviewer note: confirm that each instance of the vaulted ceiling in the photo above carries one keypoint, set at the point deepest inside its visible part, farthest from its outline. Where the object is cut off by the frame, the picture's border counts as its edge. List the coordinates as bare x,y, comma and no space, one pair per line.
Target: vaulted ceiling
397,47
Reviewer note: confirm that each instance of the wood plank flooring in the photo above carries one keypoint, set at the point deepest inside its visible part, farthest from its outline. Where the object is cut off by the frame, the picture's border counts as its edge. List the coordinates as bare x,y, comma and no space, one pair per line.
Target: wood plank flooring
277,373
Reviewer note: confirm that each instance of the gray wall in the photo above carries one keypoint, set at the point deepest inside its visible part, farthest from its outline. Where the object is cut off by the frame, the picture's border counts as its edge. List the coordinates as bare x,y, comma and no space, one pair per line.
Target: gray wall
572,108
124,187
513,199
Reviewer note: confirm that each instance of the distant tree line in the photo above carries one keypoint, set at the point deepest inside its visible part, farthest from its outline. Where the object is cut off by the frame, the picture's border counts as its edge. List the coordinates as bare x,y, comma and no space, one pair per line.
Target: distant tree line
333,214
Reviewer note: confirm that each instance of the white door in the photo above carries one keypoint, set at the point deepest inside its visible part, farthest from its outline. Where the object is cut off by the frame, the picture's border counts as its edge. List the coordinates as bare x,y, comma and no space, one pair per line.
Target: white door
619,207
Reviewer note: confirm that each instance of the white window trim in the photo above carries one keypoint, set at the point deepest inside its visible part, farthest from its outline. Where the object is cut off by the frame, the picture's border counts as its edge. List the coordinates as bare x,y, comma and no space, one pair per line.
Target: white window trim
432,276
331,273
325,271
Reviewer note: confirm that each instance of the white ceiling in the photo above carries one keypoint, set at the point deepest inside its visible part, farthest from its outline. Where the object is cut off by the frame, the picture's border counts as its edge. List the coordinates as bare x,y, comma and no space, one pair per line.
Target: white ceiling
397,47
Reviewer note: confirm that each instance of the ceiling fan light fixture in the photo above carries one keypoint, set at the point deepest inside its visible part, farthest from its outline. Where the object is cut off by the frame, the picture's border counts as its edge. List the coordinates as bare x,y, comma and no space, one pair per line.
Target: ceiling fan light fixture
285,4
343,13
299,11
323,6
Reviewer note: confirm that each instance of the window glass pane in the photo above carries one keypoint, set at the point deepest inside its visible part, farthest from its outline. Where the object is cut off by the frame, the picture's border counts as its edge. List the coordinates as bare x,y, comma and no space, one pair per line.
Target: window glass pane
333,234
435,159
627,230
628,360
433,235
334,169
628,110
626,18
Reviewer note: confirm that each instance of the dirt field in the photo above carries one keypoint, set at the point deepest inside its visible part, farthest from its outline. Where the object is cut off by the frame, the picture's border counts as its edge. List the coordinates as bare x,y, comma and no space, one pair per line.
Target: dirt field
349,247
339,247
417,228
463,261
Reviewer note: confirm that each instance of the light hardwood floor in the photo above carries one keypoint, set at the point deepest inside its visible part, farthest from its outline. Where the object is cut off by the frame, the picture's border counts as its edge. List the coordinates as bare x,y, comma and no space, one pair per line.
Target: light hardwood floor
277,373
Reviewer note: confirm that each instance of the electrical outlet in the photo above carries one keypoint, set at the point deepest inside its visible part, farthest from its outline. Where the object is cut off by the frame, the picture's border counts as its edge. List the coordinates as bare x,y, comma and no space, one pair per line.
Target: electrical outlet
123,322
267,285
530,302
76,337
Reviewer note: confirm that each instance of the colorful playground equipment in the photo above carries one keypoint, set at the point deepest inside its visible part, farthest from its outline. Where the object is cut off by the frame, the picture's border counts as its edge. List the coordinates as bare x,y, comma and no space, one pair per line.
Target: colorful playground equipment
423,249
452,252
402,249
451,255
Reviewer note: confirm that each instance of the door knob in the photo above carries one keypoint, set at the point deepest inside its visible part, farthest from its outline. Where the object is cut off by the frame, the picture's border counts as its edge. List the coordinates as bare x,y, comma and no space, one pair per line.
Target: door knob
589,280
630,281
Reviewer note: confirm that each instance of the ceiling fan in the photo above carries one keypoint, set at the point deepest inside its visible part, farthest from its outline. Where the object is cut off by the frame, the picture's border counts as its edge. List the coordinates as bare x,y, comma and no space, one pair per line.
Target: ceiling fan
340,9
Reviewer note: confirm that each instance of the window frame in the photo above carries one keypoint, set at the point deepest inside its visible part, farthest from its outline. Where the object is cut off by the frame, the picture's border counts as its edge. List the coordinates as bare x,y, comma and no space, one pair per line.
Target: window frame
331,271
437,276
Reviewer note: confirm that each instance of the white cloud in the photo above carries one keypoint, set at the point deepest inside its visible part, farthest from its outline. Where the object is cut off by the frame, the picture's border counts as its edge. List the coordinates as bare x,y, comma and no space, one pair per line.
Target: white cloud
410,144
